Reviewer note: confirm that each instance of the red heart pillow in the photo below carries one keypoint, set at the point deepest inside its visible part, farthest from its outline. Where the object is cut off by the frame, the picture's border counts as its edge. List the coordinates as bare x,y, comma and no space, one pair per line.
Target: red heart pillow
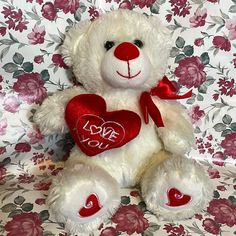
94,129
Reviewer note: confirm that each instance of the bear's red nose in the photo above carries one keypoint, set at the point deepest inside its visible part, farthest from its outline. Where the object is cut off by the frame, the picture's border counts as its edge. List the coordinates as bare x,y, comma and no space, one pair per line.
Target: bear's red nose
126,51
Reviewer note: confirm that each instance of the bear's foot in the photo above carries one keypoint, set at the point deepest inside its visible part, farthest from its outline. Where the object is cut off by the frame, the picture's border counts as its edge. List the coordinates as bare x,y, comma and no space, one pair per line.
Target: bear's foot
83,197
176,189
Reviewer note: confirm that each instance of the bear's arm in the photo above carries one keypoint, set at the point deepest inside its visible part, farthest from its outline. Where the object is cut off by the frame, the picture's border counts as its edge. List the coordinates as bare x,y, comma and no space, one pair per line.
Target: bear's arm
177,134
50,115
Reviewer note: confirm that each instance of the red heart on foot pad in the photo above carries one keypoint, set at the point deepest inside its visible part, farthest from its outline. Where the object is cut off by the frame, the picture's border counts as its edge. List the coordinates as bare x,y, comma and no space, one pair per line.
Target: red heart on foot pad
176,198
94,129
92,206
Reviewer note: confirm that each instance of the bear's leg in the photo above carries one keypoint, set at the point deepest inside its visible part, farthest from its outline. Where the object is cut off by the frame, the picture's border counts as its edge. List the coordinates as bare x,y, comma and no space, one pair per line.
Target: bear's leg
176,189
83,197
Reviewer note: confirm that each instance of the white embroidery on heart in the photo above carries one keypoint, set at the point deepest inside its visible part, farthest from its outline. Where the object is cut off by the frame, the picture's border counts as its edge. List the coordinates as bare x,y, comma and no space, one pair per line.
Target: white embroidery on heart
107,133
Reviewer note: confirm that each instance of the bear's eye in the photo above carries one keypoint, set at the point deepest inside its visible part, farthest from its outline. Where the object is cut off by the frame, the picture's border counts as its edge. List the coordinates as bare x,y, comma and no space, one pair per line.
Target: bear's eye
109,44
138,43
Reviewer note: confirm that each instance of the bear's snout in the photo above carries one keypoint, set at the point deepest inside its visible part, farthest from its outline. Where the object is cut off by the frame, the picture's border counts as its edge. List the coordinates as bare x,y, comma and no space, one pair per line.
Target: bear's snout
126,51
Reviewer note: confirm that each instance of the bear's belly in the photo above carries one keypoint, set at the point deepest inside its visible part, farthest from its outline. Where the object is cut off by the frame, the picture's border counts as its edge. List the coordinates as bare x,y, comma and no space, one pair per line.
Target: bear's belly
126,163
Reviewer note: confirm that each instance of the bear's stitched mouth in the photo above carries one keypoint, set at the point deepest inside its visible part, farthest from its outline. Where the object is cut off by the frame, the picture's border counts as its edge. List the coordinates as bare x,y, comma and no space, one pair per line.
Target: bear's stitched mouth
128,76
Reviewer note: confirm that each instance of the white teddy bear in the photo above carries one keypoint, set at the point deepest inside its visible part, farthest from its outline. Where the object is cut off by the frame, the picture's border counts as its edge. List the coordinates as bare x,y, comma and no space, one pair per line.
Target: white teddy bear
120,59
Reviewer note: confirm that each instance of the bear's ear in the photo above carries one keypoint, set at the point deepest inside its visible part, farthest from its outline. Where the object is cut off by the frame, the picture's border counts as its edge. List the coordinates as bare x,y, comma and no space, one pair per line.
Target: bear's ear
72,39
162,30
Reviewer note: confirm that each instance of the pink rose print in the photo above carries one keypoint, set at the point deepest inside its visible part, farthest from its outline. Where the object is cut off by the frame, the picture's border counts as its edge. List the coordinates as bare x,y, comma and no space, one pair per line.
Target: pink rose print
30,88
196,114
130,219
199,42
49,11
11,104
34,135
231,26
3,126
221,43
3,31
67,5
37,35
211,226
223,210
199,18
3,172
25,224
143,3
218,158
175,230
42,185
190,72
109,231
22,147
229,145
213,173
58,60
38,59
180,7
26,178
221,188
14,19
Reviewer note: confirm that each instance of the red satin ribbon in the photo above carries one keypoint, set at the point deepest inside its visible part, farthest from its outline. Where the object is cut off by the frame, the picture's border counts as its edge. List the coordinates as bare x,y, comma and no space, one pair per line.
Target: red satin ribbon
164,90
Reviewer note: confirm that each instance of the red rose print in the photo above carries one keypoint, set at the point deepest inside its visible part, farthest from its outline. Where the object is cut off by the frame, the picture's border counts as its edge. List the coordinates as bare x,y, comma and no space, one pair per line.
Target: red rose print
199,18
14,19
40,201
48,11
143,3
22,147
93,12
38,59
198,216
169,17
25,224
221,188
199,42
58,60
175,230
213,174
234,60
37,35
126,5
191,72
218,158
26,178
109,231
67,5
3,31
229,145
2,150
30,88
223,210
180,7
213,1
211,226
196,114
227,86
130,219
3,172
42,185
221,43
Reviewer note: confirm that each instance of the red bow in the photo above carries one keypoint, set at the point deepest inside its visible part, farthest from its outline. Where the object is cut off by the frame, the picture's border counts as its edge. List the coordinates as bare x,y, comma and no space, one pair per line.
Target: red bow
164,90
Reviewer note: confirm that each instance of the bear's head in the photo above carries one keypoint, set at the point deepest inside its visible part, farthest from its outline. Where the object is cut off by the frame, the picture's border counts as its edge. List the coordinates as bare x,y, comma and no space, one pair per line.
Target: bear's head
120,49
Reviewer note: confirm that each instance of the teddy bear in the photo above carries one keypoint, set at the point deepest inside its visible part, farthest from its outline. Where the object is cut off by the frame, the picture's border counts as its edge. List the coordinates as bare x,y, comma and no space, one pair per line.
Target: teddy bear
127,123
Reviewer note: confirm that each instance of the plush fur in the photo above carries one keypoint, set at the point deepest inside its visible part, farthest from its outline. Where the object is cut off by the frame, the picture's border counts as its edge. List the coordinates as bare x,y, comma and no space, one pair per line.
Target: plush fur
155,158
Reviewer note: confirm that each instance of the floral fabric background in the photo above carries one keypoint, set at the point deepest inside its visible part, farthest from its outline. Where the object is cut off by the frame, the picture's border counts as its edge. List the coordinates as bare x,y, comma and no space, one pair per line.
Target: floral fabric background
203,58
